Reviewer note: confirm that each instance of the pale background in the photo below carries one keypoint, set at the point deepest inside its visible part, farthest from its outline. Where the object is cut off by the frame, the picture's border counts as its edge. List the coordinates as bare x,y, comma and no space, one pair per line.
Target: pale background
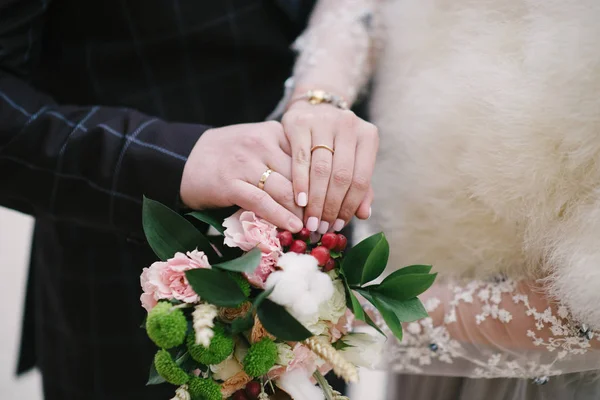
15,242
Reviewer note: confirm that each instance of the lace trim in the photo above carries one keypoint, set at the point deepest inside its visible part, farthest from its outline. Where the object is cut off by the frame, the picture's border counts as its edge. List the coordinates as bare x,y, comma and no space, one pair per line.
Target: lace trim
425,343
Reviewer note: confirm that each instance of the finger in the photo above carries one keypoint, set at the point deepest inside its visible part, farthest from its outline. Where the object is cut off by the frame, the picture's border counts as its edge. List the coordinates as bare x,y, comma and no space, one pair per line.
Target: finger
320,175
364,210
298,132
279,161
366,152
280,189
341,176
251,198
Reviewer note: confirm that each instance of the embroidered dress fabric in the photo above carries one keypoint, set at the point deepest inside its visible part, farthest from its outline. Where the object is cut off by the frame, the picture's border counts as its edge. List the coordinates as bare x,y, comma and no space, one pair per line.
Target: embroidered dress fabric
337,51
500,328
491,329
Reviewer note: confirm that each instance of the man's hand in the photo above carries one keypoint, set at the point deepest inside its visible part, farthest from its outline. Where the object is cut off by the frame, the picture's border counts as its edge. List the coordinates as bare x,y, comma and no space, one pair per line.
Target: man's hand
333,187
226,165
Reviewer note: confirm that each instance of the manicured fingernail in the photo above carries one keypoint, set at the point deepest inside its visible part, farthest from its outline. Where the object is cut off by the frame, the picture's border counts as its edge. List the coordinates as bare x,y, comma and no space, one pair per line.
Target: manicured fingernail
312,224
295,224
370,210
323,227
302,199
339,225
315,237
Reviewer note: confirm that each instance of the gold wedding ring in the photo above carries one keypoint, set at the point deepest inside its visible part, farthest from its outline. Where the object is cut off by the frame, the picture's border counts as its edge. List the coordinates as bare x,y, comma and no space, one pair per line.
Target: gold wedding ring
322,146
263,178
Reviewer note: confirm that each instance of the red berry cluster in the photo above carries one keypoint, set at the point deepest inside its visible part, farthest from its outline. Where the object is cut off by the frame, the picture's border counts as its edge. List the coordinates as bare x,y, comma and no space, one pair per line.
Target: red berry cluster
300,242
251,392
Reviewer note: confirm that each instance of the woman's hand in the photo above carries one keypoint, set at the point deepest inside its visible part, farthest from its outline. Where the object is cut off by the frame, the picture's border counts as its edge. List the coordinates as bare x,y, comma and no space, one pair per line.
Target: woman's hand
332,186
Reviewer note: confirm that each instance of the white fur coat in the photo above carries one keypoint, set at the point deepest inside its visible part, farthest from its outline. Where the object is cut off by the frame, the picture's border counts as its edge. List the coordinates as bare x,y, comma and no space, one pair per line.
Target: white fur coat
489,112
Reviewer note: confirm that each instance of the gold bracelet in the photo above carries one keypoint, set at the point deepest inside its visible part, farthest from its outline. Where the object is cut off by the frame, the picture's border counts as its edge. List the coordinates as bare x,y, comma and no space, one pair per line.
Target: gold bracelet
321,96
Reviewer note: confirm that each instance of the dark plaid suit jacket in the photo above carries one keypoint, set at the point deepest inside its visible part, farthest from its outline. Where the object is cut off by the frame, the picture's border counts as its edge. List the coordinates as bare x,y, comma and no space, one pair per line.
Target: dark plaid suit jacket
101,102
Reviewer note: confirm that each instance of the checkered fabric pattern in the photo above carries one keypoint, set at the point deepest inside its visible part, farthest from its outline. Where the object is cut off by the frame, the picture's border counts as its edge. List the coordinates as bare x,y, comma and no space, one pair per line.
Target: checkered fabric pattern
101,102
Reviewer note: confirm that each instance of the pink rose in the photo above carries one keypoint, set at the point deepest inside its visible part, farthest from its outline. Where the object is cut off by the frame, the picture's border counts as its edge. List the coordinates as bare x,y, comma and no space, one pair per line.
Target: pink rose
343,326
166,280
246,231
262,272
303,358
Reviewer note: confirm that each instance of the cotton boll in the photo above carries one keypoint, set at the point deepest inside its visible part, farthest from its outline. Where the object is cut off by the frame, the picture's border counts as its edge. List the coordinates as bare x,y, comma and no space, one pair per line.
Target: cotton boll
322,287
300,286
297,384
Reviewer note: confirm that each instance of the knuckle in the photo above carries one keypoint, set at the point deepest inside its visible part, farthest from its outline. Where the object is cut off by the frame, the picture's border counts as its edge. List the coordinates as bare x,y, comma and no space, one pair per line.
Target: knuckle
240,157
302,157
272,126
288,197
371,131
347,118
342,177
322,168
301,119
346,212
330,211
360,183
259,198
252,140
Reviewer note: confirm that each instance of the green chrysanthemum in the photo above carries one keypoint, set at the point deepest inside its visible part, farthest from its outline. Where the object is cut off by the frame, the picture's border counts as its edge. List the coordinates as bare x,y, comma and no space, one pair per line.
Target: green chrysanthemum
204,389
166,327
260,358
221,347
242,283
168,369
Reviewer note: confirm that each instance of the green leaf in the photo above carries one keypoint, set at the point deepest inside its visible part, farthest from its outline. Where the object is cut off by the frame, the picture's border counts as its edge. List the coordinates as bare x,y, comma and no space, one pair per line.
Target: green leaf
246,263
369,321
278,322
261,297
407,310
154,377
242,324
403,286
353,304
413,269
341,345
355,262
168,232
209,218
376,261
335,254
215,287
390,318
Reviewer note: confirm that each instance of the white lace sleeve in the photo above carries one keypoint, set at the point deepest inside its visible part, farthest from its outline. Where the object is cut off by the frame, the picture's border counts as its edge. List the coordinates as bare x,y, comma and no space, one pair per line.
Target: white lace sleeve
493,329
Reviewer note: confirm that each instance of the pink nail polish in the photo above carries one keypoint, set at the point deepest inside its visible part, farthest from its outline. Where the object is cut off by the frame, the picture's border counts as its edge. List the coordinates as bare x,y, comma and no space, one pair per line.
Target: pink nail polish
302,199
339,225
312,224
323,227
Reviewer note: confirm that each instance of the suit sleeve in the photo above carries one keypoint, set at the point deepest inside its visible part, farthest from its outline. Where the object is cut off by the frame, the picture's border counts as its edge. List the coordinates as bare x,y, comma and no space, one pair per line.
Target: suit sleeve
87,164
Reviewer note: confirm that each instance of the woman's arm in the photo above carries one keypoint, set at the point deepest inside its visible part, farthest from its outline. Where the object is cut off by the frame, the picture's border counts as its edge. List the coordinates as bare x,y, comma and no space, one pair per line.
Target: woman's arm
335,59
492,329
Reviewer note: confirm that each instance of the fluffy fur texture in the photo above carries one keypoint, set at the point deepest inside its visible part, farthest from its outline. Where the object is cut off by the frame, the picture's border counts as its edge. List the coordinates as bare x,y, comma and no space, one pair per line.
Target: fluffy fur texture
489,112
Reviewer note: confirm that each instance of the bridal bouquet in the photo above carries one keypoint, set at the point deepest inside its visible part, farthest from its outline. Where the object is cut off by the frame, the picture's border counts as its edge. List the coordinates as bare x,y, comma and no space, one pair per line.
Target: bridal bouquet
255,311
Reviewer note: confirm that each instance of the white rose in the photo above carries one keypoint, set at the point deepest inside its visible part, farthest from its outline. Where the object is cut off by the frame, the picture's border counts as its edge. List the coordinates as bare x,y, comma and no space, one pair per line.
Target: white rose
335,307
226,369
300,286
364,349
285,354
